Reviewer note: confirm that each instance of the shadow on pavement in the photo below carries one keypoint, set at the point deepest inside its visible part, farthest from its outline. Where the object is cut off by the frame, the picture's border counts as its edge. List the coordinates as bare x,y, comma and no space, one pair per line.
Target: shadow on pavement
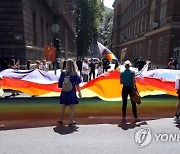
177,124
125,125
63,129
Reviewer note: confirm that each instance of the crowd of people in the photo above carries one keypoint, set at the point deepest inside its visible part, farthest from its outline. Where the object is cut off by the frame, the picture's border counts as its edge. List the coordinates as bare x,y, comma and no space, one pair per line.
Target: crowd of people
9,62
87,67
69,98
14,63
87,72
127,79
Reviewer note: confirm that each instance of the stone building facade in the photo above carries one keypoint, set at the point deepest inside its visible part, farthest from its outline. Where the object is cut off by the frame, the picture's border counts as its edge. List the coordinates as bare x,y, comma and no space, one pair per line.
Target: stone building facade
147,28
26,27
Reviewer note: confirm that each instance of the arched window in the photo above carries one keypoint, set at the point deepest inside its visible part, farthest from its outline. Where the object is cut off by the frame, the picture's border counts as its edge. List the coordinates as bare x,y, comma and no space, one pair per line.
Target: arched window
152,13
163,9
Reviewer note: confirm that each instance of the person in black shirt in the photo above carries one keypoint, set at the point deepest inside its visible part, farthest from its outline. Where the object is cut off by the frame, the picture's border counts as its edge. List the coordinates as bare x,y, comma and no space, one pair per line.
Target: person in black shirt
106,66
79,64
140,63
28,64
4,62
92,67
175,64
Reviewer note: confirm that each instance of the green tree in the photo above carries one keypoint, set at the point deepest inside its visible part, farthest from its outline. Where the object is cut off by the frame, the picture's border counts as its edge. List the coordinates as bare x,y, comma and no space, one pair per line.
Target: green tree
89,14
105,29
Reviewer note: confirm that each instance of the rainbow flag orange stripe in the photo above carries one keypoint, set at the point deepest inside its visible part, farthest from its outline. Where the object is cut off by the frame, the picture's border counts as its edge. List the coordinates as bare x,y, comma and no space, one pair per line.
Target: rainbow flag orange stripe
107,86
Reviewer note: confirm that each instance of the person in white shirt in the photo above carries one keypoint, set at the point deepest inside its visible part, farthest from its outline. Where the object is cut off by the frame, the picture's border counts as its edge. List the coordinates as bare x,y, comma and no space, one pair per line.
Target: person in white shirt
177,87
85,70
99,69
44,66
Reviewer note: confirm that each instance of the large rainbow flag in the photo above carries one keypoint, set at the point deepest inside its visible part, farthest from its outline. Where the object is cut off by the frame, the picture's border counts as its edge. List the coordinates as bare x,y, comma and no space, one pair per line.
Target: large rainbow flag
107,86
105,51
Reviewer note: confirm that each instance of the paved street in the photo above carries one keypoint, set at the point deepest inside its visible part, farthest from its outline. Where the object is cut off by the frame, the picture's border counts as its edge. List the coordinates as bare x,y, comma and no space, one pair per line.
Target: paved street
89,139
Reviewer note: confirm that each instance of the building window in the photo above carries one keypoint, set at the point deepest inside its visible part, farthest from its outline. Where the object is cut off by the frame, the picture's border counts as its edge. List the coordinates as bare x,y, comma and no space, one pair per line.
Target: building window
42,33
140,50
137,51
140,4
142,23
149,49
160,48
136,10
138,24
132,30
163,9
145,24
120,36
126,32
135,29
34,29
152,13
47,32
128,35
129,31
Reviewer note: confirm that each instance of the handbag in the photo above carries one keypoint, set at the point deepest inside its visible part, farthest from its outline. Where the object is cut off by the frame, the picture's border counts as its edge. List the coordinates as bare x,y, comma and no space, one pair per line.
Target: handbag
136,98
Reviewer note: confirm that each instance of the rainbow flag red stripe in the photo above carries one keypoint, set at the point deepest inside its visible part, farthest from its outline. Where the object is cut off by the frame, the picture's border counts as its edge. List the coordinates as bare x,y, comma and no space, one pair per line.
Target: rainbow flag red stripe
107,86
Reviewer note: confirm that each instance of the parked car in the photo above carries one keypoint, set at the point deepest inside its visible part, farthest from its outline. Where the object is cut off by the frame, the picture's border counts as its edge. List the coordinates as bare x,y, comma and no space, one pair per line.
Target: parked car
95,60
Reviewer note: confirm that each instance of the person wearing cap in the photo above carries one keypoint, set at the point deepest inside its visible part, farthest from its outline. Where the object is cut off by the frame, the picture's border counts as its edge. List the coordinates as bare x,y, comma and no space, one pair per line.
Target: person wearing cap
127,78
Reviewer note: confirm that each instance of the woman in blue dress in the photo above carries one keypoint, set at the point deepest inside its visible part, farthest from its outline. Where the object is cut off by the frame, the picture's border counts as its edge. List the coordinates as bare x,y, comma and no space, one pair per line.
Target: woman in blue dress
69,98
